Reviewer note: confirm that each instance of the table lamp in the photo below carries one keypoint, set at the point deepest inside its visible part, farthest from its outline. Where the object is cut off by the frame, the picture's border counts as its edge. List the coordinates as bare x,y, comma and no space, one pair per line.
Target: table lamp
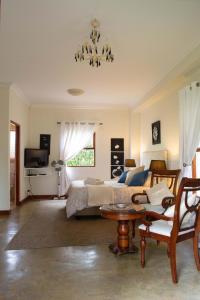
157,165
130,163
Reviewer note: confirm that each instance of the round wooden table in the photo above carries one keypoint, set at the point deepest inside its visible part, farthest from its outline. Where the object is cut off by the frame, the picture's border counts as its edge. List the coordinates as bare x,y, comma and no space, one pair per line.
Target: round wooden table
123,216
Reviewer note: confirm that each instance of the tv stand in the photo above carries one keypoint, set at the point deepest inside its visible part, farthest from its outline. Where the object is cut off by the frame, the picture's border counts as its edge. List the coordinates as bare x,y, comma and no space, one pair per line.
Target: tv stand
32,172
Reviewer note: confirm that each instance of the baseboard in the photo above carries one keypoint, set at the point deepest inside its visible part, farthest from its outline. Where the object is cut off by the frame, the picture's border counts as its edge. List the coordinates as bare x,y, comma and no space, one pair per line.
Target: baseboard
41,197
37,197
22,201
4,212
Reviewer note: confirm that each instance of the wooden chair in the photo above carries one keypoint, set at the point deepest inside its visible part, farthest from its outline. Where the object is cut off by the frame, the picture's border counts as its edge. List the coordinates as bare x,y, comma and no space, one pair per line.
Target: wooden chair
175,229
170,177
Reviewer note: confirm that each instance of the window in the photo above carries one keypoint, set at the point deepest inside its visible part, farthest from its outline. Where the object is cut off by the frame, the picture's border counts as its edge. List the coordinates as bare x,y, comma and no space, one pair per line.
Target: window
196,165
86,157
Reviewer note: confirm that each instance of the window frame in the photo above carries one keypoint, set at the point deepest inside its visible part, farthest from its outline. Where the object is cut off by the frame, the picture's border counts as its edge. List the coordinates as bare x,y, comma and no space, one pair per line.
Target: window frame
194,165
88,148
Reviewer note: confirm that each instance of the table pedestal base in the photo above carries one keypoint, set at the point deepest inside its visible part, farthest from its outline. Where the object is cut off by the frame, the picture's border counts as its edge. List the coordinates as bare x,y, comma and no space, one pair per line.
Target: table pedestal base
122,246
114,248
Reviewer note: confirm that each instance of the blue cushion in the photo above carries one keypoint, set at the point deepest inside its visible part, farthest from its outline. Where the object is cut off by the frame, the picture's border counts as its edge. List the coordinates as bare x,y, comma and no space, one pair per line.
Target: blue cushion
139,178
122,178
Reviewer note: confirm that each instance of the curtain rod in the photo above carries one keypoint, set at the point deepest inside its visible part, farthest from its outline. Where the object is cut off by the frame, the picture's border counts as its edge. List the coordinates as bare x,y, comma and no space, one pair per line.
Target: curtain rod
99,123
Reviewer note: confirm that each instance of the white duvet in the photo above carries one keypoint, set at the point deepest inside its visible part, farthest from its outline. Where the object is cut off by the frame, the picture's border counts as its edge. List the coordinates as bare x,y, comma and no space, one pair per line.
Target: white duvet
82,196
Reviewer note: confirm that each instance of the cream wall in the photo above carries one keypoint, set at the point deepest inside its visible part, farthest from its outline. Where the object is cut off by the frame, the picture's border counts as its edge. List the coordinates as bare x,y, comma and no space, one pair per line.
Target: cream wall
4,149
43,119
167,111
19,113
162,105
135,136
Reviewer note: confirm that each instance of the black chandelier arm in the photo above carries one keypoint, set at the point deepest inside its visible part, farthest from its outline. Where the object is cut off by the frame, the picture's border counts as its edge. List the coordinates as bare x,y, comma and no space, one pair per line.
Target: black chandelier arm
91,52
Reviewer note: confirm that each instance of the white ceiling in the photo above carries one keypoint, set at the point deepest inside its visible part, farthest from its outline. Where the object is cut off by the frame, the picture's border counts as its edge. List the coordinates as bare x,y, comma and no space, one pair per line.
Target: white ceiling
38,39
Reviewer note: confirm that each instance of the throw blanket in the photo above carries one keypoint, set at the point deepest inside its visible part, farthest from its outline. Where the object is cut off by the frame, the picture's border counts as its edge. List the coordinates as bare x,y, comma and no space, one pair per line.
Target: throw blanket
79,193
93,181
99,195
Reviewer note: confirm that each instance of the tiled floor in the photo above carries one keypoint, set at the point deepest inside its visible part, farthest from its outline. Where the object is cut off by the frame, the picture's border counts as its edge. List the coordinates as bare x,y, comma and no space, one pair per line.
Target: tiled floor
90,272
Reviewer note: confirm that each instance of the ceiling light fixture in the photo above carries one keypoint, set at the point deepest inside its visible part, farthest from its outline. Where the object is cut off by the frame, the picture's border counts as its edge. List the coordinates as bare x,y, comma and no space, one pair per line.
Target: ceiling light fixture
75,92
90,52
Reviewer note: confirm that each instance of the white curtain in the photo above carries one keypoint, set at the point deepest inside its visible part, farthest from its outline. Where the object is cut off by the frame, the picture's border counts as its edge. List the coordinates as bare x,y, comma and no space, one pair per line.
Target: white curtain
74,137
189,100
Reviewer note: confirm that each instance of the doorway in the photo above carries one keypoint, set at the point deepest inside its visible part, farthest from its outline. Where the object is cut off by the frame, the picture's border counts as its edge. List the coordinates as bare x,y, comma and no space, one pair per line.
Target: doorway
14,164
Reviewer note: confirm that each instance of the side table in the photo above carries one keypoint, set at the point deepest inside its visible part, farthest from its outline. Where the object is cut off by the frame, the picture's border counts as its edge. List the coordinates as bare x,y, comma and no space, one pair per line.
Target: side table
130,212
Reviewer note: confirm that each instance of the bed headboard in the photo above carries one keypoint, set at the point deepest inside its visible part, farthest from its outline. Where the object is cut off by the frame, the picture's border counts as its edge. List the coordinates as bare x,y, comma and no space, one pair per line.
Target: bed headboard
147,156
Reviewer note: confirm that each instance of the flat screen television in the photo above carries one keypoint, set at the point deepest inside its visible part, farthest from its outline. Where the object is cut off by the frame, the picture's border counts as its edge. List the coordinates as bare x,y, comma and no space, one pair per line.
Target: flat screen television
36,158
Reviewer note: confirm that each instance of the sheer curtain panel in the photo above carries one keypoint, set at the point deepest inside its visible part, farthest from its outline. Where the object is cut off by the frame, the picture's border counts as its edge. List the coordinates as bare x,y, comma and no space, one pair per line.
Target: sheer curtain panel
74,136
189,100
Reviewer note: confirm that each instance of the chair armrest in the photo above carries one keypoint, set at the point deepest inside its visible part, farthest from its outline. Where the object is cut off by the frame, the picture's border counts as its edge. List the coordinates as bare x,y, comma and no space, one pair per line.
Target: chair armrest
157,216
153,215
168,201
133,198
147,224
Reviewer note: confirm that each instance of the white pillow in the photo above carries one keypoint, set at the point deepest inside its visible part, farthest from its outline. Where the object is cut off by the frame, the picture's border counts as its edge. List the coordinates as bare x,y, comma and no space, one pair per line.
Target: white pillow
190,201
132,172
170,211
158,192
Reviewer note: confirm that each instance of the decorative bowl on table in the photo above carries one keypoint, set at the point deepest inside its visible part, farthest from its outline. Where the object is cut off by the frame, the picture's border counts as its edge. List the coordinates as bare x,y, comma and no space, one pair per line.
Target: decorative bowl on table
121,205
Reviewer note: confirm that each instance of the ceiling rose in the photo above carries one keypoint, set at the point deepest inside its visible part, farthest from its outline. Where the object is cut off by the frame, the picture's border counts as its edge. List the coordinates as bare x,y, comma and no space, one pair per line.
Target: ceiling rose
91,51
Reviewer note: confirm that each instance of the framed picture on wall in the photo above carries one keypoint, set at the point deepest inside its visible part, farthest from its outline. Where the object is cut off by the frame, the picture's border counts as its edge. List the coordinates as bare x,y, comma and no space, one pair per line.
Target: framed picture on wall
116,171
117,158
117,144
45,142
156,134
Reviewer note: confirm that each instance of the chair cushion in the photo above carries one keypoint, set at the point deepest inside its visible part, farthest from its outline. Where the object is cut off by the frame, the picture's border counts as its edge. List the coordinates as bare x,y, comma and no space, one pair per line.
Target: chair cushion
139,178
122,178
156,208
162,227
158,192
132,172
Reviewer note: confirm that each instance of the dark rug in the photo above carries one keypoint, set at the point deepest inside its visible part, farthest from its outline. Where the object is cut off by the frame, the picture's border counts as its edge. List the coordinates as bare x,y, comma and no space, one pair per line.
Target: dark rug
50,228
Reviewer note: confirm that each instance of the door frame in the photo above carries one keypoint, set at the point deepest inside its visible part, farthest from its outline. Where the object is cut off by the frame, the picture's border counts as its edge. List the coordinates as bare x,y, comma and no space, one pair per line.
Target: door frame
194,171
17,164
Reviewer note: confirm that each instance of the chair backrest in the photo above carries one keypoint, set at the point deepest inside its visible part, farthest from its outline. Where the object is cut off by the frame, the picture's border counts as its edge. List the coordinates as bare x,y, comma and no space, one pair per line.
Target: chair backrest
186,206
169,176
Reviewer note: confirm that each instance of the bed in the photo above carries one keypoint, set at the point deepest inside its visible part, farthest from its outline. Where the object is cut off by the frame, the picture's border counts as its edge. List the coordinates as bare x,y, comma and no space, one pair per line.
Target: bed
82,196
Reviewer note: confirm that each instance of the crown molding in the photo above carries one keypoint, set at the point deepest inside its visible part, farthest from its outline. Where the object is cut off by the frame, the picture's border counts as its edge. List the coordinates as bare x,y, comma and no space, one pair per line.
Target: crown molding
20,93
180,75
65,106
5,84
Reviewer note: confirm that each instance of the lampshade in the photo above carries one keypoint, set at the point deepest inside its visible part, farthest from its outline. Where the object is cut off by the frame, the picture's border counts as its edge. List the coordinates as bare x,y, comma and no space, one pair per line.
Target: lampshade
130,163
157,165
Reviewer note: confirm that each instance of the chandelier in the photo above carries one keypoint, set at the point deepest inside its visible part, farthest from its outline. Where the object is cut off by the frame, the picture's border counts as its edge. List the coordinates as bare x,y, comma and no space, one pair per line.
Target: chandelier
89,51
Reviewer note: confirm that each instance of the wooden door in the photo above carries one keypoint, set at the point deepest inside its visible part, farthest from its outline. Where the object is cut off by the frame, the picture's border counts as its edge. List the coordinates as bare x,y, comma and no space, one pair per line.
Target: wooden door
14,164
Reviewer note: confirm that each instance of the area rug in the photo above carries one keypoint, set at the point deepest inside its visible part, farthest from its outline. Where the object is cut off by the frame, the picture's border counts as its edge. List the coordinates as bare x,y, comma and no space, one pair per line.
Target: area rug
50,228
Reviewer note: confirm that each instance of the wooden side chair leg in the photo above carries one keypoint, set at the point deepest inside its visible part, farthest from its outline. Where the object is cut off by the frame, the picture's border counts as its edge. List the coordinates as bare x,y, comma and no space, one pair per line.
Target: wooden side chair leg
196,250
142,247
173,262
